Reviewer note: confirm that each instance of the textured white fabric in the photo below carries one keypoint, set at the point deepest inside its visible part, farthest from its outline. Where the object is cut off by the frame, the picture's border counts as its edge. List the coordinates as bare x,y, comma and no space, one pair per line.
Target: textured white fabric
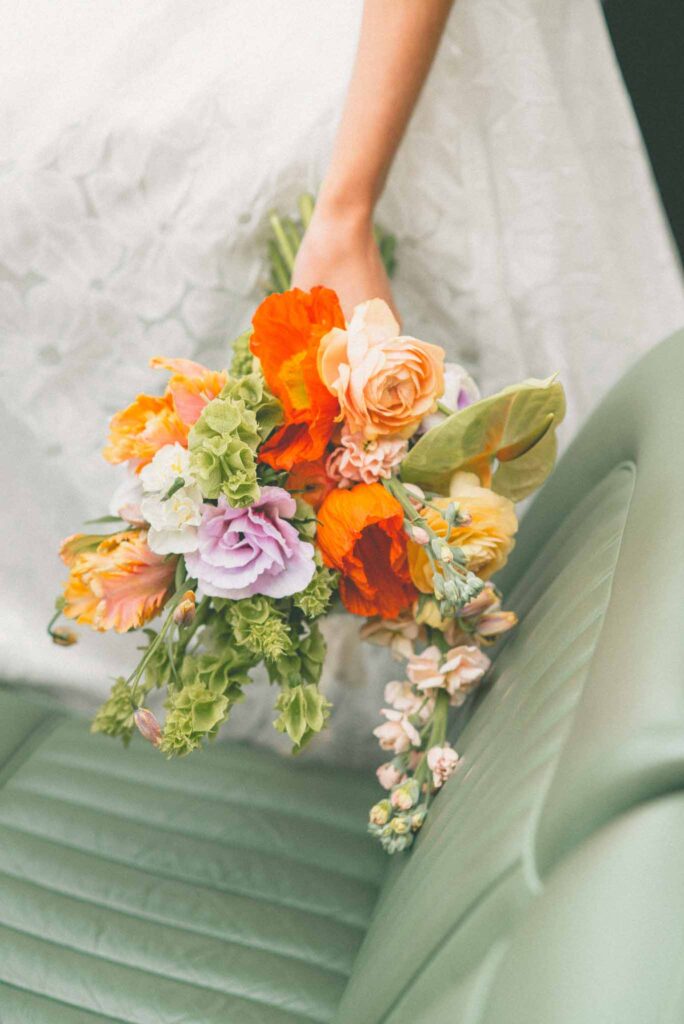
141,147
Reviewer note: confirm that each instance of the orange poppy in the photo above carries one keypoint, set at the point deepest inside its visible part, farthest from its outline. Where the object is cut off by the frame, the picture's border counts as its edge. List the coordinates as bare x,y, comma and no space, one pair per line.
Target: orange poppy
310,482
287,332
137,432
361,533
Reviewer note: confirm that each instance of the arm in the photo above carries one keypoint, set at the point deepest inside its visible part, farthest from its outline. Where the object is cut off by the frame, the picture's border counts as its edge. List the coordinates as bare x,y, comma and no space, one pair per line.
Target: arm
396,48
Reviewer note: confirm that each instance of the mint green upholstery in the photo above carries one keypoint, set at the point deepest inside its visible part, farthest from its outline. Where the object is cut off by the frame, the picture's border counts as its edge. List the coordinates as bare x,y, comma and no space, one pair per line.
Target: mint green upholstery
547,886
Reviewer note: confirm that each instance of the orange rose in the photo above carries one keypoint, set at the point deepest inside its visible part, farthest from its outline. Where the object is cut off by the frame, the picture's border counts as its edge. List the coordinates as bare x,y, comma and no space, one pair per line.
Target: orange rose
487,540
361,533
385,382
147,424
287,332
115,582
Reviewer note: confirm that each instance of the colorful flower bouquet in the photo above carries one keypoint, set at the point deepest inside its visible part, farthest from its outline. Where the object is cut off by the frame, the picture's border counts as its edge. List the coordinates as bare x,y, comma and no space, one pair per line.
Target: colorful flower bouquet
334,462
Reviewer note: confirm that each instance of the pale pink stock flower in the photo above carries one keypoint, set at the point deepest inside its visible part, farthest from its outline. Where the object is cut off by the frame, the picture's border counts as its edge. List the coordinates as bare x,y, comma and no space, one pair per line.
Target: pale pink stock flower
359,460
389,776
401,800
147,726
424,669
463,669
403,698
397,733
442,762
397,634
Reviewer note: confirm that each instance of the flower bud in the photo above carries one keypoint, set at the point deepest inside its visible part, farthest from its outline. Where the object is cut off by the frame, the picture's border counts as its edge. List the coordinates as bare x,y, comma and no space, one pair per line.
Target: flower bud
419,535
63,637
405,796
380,813
400,825
147,726
184,612
389,775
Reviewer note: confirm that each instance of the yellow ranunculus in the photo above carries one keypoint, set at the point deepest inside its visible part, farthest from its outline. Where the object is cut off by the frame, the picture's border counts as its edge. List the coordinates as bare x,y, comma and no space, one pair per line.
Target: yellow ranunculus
487,539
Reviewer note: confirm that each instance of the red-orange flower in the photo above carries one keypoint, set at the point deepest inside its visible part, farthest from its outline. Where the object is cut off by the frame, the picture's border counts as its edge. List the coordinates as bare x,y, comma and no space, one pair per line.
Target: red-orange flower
150,422
287,332
360,533
309,481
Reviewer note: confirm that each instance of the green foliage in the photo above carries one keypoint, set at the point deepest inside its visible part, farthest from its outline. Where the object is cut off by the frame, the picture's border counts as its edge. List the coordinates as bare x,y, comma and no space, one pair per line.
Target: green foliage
260,626
304,711
514,430
224,440
243,360
314,600
303,664
115,717
194,713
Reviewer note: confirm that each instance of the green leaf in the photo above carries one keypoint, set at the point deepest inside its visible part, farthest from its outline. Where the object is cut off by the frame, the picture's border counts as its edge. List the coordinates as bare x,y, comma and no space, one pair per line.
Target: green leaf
104,519
515,429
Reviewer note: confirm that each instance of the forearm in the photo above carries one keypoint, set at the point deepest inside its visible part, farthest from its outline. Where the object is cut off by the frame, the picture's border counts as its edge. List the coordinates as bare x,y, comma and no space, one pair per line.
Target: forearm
396,47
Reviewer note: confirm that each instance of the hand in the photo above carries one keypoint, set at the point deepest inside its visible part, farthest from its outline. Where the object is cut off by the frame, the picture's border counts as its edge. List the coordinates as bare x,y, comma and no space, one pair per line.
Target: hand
340,252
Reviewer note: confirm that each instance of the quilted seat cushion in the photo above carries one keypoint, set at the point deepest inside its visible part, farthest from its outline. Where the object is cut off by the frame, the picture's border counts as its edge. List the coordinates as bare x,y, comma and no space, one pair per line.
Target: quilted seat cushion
235,886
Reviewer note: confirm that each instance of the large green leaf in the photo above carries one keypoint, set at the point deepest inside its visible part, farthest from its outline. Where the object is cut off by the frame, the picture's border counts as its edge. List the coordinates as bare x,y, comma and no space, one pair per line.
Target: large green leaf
509,440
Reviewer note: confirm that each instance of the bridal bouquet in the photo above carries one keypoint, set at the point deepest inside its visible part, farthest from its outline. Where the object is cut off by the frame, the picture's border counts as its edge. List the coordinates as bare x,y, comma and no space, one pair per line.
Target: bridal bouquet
333,462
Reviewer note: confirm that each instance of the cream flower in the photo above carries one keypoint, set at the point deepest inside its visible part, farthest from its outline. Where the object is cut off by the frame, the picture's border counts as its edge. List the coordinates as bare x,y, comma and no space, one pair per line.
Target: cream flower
442,762
398,634
168,465
360,460
397,733
385,382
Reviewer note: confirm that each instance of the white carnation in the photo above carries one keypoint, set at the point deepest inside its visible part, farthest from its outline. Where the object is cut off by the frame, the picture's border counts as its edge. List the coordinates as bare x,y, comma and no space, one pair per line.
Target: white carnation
171,462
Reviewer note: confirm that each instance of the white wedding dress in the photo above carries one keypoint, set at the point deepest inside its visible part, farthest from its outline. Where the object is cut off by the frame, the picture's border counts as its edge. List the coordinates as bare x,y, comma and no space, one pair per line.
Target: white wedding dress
141,148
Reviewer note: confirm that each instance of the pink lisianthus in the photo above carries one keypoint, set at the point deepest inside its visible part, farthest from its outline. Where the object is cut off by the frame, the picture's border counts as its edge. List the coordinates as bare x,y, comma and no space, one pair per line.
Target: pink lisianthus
397,733
253,550
389,776
442,762
358,460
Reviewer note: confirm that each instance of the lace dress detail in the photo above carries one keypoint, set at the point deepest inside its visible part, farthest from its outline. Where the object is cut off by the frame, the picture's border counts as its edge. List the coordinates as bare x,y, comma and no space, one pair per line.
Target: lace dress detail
143,146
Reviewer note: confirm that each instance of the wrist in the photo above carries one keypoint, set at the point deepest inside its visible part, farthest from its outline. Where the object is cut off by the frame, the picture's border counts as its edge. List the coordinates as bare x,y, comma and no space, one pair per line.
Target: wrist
345,203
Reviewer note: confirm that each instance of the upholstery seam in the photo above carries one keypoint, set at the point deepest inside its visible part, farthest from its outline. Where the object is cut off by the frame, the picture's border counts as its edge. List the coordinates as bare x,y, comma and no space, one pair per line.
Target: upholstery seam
269,901
28,745
137,916
158,974
180,790
64,1002
88,808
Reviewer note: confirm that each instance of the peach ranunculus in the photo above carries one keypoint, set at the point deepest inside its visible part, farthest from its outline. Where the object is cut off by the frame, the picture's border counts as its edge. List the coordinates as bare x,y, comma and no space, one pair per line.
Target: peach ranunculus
137,432
361,534
385,382
487,539
115,582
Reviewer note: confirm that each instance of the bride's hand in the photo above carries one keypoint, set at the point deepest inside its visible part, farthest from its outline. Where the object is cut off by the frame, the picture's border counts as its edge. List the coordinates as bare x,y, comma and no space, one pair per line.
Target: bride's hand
340,252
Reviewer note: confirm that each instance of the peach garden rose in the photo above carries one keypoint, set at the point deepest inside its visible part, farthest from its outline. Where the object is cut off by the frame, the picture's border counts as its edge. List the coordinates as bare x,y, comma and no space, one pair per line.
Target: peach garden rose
385,382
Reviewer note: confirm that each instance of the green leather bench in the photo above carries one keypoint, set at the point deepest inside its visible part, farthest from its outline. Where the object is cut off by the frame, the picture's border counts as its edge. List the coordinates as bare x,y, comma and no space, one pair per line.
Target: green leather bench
547,886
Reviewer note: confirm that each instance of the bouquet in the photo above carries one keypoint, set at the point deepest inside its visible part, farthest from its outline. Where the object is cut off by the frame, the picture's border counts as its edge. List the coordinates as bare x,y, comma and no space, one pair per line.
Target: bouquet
334,463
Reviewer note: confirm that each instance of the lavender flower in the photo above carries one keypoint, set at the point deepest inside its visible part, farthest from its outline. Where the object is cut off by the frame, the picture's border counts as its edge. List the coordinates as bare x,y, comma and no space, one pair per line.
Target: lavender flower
254,550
